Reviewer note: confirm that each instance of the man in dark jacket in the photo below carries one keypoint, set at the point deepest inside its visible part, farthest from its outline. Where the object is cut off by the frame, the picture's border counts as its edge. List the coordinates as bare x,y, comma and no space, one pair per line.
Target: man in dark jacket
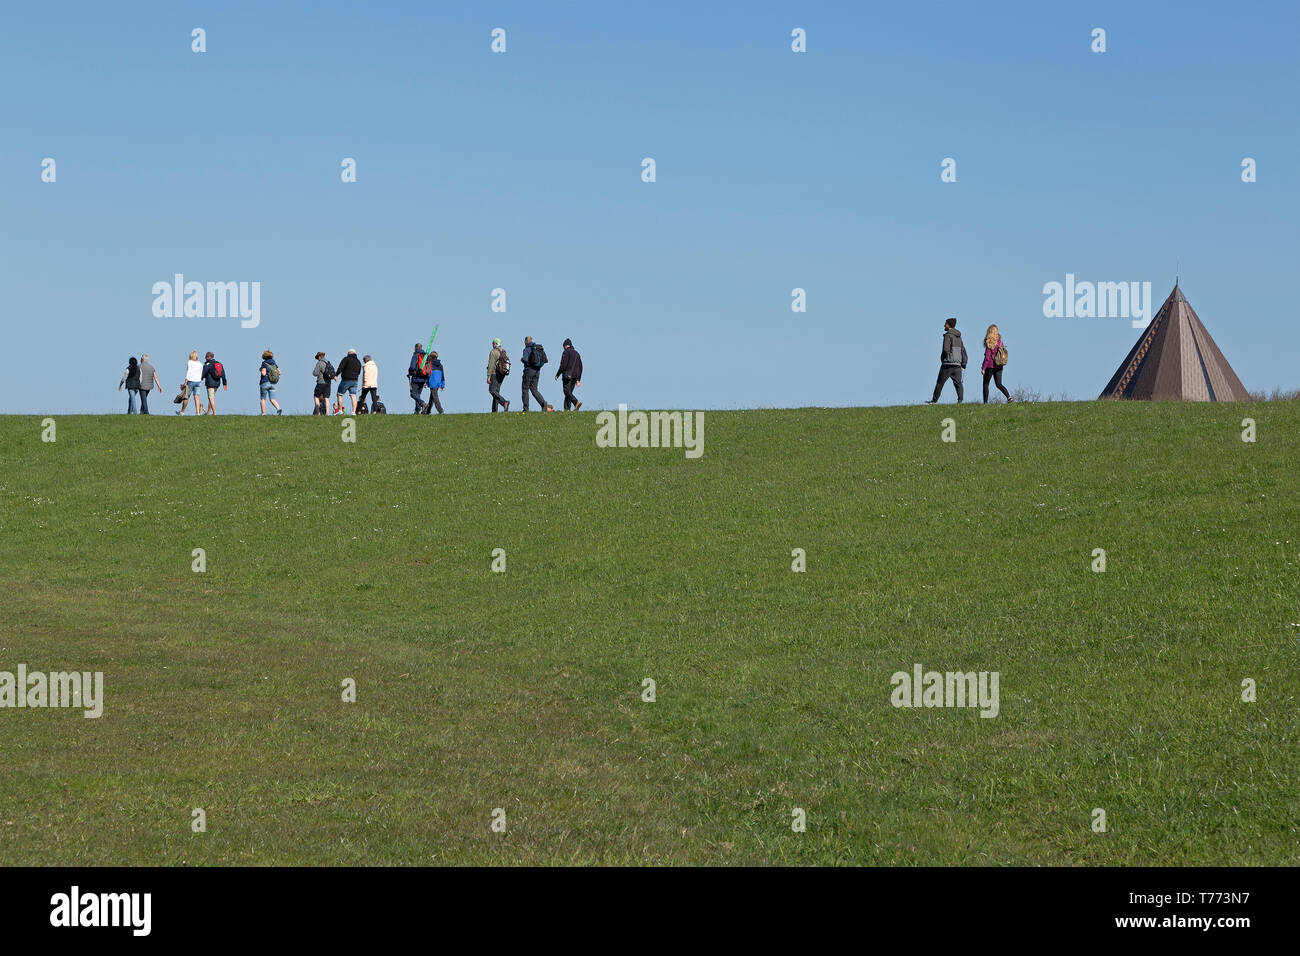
951,361
419,376
348,375
571,369
214,375
437,382
532,361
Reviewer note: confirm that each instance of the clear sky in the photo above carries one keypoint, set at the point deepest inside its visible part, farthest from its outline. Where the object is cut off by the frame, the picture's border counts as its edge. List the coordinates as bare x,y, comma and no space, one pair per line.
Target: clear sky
523,171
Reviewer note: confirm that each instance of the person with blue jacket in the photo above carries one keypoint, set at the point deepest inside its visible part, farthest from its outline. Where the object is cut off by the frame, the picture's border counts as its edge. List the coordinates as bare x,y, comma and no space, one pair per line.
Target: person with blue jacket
437,381
418,373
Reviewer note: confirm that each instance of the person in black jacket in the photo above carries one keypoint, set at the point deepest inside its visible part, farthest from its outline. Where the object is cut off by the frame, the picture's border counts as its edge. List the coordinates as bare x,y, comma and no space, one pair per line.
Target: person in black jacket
348,376
214,375
952,359
418,373
131,379
571,369
532,360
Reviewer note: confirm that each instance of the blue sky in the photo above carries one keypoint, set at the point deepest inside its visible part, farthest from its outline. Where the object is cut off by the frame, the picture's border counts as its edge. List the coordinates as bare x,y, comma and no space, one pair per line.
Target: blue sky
522,171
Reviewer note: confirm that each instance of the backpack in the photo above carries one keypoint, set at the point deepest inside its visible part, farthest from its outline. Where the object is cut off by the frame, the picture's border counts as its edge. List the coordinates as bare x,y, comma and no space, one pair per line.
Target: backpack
1000,356
330,371
217,370
537,357
273,374
503,364
380,408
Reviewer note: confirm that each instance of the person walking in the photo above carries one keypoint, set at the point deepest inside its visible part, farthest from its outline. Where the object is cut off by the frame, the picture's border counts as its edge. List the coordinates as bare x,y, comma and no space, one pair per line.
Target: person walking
498,367
952,359
193,382
369,383
533,359
323,373
348,374
148,380
214,377
995,357
418,373
571,369
268,378
131,379
437,382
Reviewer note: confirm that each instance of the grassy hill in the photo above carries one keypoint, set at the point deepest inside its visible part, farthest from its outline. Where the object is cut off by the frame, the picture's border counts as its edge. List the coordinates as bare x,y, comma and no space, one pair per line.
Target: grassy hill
522,690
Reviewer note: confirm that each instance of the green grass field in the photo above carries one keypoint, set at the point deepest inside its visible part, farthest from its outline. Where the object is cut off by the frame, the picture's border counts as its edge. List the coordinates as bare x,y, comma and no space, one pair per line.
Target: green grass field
477,690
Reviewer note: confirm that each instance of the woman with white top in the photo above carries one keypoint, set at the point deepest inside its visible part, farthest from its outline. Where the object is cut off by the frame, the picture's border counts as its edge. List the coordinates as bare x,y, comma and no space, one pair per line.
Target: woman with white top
193,375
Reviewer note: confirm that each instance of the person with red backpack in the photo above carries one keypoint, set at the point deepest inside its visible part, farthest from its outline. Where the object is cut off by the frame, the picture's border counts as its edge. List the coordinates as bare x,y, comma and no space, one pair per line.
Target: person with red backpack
214,375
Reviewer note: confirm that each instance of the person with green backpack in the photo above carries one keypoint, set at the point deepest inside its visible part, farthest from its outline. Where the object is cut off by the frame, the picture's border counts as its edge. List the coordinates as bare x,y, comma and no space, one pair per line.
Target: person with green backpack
270,377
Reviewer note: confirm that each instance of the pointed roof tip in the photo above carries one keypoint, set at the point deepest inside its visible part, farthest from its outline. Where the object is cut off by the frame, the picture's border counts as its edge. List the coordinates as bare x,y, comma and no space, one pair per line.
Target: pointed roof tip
1176,358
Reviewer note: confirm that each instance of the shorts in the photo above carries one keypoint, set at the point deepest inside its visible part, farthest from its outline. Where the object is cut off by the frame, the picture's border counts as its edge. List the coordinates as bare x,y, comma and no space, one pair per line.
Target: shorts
348,388
194,387
266,388
322,390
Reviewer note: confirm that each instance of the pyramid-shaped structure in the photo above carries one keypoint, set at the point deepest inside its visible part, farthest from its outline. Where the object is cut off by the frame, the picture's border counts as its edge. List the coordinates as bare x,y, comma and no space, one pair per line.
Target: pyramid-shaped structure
1176,360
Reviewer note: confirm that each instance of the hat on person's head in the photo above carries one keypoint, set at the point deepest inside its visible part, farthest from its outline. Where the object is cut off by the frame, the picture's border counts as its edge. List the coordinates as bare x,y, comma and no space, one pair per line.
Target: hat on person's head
352,351
568,343
496,341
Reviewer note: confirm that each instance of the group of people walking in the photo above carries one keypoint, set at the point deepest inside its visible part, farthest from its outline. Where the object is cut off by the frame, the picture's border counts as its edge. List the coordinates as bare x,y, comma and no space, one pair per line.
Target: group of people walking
357,378
532,360
952,360
209,375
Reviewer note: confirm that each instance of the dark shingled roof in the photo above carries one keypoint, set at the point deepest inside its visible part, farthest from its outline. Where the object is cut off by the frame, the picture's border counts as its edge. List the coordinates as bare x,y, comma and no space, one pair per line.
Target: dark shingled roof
1176,360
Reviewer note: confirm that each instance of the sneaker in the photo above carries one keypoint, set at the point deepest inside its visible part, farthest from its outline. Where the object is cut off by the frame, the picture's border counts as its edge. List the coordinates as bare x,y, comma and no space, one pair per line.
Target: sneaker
1010,400
279,411
576,404
933,401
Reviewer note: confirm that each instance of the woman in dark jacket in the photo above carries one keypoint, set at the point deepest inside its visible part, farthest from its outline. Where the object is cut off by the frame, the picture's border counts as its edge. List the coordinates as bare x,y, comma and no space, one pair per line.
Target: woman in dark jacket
131,380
